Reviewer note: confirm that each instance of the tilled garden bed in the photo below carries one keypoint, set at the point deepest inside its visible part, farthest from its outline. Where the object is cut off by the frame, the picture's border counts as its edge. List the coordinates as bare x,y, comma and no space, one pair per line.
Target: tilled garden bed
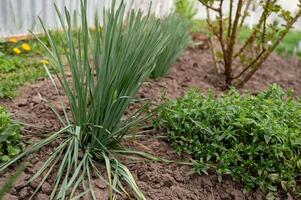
157,180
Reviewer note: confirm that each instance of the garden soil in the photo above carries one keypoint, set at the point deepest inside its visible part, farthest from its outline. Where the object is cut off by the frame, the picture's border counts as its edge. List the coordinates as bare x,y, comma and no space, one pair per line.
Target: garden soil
158,181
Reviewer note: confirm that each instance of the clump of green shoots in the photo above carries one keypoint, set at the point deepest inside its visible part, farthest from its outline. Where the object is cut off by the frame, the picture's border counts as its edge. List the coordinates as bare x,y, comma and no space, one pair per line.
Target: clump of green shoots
178,31
239,62
107,66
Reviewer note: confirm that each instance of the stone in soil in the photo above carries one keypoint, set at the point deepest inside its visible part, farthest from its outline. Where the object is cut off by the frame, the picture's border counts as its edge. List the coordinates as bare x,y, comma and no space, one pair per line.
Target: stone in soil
10,197
42,196
21,102
36,100
24,192
46,188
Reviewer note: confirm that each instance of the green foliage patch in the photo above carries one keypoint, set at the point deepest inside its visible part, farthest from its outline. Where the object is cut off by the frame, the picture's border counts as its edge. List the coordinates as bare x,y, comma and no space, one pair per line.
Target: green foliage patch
187,10
10,138
254,139
18,69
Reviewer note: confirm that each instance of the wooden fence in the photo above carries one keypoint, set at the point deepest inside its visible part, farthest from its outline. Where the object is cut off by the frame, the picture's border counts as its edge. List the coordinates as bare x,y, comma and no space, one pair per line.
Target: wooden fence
19,16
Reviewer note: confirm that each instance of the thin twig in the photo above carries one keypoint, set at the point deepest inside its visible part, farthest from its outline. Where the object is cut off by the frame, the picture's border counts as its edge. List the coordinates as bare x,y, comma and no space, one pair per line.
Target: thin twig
270,50
250,65
252,36
209,6
211,46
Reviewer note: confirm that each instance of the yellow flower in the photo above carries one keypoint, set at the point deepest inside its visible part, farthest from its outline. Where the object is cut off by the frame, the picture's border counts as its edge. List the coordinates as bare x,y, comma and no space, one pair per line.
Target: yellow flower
44,62
26,47
13,40
16,50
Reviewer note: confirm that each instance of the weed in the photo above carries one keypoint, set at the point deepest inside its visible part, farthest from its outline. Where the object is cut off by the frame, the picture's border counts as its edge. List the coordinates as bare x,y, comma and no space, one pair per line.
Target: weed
10,138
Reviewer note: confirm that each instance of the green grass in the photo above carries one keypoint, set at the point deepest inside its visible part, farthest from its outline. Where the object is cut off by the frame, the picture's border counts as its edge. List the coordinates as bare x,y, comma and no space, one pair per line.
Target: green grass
16,70
25,70
289,44
253,139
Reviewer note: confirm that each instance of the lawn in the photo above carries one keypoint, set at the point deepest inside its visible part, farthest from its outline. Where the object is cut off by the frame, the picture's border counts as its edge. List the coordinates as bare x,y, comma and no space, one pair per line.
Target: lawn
19,66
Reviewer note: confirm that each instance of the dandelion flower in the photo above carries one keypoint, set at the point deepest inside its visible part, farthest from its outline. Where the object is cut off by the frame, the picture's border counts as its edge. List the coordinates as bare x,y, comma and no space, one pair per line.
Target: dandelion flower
13,40
26,47
16,50
44,62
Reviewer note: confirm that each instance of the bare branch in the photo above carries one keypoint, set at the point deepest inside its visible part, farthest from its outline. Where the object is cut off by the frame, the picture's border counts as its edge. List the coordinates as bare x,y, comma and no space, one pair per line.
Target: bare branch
250,65
216,66
247,7
252,36
231,43
288,26
209,6
230,18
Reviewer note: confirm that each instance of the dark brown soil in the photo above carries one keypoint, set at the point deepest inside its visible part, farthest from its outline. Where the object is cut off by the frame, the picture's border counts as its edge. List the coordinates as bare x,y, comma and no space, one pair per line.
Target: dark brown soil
157,180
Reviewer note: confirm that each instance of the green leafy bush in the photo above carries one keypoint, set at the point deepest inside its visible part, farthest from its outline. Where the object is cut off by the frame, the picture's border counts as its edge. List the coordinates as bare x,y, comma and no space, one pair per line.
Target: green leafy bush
255,139
185,9
176,29
10,138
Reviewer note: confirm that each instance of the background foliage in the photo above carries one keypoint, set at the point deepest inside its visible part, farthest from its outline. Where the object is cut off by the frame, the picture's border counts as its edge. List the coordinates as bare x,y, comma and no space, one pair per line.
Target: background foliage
186,9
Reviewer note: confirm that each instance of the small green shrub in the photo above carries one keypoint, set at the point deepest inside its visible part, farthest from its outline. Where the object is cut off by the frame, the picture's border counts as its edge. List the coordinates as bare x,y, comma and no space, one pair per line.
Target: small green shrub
187,10
10,138
177,30
255,139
